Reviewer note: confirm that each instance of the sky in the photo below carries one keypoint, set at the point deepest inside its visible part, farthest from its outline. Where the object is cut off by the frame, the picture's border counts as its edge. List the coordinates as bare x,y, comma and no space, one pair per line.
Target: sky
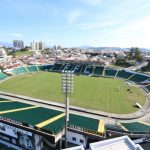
120,23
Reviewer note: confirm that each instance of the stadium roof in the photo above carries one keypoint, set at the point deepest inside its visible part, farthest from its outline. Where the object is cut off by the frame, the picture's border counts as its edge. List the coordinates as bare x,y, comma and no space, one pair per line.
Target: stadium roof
48,120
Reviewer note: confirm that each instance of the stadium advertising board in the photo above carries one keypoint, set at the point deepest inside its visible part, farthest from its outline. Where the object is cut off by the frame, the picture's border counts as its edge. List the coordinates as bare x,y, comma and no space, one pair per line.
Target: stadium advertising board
88,131
18,137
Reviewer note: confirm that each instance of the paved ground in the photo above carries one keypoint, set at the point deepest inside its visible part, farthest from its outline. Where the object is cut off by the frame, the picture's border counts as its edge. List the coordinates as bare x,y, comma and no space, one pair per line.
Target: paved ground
108,116
141,115
145,146
145,118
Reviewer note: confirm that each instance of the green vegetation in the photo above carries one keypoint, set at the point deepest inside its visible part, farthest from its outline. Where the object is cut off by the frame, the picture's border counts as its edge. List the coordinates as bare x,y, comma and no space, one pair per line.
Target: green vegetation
105,94
135,54
134,57
116,67
124,62
146,68
21,53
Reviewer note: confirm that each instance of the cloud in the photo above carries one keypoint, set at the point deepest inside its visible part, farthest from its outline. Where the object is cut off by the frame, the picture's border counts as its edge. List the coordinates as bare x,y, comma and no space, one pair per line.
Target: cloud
132,34
96,25
92,2
135,33
32,7
72,17
16,34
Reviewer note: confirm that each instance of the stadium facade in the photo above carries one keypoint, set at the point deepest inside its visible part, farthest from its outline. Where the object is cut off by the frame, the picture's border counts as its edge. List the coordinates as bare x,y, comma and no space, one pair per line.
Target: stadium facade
32,127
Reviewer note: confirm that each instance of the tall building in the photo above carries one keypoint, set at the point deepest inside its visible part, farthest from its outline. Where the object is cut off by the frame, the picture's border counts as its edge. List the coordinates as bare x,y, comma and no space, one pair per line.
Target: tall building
41,45
18,44
2,52
37,45
33,45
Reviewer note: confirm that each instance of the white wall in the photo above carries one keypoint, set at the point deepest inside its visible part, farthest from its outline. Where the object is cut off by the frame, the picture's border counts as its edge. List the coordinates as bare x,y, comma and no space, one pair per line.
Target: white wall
70,136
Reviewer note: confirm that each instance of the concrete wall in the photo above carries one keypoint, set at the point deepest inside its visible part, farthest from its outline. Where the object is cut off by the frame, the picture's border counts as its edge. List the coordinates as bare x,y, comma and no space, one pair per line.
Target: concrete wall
77,138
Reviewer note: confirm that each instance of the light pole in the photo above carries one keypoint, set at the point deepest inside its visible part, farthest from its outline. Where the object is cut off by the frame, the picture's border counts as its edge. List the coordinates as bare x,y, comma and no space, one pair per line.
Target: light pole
67,89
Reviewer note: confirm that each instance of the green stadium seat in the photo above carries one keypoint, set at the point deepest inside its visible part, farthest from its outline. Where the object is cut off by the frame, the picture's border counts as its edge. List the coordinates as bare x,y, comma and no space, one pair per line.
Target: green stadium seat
68,67
139,78
88,70
45,67
13,105
124,74
114,127
110,72
57,67
83,122
77,69
32,68
147,88
32,116
3,76
98,71
55,126
137,127
83,70
19,70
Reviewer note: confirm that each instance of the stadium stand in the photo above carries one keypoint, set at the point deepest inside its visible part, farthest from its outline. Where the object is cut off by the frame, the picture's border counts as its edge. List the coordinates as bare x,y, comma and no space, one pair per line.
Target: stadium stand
57,67
12,105
52,121
82,69
110,72
55,126
68,67
19,70
3,75
2,99
137,127
33,116
147,88
3,147
114,127
84,123
139,78
86,70
98,71
32,68
124,74
77,69
45,67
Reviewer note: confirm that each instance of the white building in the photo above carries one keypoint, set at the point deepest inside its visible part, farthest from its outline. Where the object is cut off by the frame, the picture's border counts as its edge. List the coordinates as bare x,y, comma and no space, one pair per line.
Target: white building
3,53
41,45
76,148
120,143
18,44
37,45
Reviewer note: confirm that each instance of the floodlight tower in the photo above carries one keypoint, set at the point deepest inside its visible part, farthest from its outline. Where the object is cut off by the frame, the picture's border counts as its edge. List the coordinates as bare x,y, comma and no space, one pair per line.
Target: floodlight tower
67,89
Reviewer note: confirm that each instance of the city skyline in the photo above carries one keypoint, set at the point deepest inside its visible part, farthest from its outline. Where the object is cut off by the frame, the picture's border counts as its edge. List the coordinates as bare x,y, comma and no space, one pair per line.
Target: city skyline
77,22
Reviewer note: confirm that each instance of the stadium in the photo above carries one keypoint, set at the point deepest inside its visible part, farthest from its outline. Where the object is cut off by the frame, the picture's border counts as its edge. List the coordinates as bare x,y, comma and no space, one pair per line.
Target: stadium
119,95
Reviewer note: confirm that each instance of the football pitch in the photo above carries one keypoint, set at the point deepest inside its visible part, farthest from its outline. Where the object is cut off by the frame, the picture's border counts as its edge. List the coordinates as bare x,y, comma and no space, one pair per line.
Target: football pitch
104,94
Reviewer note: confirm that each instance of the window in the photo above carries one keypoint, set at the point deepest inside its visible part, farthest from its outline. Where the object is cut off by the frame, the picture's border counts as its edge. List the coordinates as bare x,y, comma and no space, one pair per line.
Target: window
14,141
73,138
81,141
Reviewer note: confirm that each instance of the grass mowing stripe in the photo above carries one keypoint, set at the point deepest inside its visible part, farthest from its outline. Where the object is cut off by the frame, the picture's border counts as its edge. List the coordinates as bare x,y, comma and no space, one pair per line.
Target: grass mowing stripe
89,92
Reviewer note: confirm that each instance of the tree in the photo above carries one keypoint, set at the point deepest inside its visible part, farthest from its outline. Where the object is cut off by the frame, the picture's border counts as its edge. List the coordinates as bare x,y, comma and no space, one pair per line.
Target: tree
1,68
24,49
120,62
135,54
146,68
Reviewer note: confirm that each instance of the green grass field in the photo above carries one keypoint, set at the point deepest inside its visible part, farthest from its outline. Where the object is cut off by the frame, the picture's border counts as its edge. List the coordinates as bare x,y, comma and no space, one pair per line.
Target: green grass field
103,94
21,53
